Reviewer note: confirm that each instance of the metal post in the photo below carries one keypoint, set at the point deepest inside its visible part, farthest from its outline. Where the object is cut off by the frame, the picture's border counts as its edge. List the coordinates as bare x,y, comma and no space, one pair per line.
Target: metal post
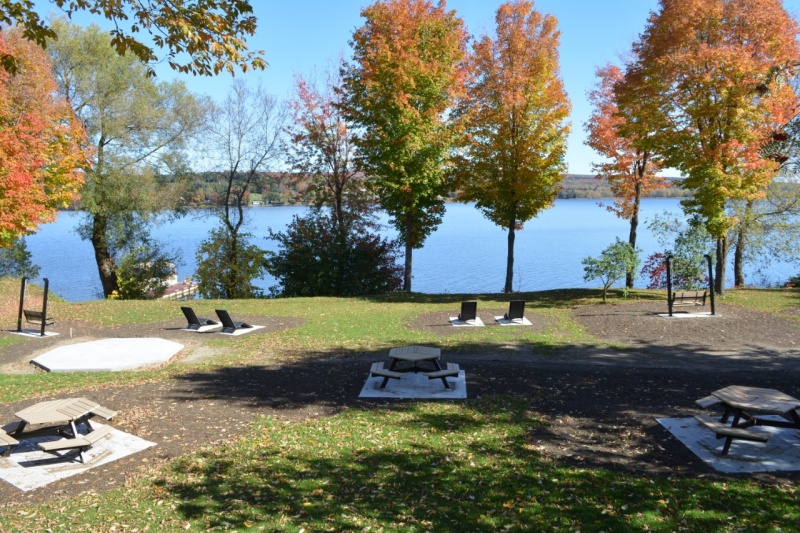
21,304
669,283
710,282
44,305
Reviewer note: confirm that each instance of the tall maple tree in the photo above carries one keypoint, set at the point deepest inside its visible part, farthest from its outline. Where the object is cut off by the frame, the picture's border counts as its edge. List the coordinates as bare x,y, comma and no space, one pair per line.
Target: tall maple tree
42,144
406,70
704,94
514,120
629,170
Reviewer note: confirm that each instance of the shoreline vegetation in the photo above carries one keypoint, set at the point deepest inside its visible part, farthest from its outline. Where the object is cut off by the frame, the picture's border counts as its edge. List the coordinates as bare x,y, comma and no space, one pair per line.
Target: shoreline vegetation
281,189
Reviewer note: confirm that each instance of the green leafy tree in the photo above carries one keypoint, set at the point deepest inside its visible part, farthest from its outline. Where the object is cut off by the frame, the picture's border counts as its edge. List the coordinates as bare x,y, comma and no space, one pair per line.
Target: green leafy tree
15,261
316,259
143,271
137,127
201,36
614,263
405,73
688,242
514,119
227,272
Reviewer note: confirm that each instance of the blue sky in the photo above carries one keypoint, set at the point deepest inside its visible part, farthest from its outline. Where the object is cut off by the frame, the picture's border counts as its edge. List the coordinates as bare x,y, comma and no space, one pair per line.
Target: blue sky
303,35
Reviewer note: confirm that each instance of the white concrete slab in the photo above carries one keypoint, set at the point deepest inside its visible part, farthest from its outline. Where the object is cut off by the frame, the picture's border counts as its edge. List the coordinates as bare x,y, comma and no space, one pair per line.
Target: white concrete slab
517,322
781,453
108,355
241,331
35,333
416,385
211,328
29,468
477,323
677,314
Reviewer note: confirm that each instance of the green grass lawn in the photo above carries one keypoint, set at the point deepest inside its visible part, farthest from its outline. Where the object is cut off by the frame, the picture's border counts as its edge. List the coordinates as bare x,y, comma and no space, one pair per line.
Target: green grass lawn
421,466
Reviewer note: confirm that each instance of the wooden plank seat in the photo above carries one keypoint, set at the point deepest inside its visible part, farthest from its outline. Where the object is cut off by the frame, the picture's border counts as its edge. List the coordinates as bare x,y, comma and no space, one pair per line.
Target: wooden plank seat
729,433
8,441
81,443
451,370
103,412
35,317
708,401
378,369
689,298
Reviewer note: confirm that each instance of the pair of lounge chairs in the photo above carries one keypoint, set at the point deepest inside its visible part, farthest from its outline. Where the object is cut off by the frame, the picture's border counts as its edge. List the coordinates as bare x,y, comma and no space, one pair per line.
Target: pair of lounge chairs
228,324
469,311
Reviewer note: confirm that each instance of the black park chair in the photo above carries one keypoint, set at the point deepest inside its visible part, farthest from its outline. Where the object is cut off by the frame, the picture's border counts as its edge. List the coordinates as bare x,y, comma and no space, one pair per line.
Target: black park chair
469,311
194,321
516,310
228,324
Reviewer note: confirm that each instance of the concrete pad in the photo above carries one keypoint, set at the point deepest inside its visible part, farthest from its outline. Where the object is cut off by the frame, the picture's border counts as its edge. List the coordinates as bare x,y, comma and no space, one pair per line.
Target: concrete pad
477,323
210,328
416,385
703,314
108,355
517,322
35,333
241,331
781,453
29,468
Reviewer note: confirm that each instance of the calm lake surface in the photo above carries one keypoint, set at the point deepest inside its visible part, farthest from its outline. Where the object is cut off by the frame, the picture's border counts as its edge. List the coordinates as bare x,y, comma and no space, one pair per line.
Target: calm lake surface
467,253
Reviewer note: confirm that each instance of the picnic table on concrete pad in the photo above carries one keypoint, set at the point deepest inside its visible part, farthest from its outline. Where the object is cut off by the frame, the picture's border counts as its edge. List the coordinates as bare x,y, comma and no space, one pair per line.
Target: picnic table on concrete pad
59,417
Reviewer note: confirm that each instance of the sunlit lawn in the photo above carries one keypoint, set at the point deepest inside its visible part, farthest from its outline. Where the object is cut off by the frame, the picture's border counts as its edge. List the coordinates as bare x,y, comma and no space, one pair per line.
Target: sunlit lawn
465,466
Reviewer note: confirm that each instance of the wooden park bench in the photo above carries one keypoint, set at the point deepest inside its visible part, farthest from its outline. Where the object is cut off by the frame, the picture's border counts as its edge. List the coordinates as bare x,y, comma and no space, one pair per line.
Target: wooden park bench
451,370
379,370
8,441
689,298
729,433
81,443
36,317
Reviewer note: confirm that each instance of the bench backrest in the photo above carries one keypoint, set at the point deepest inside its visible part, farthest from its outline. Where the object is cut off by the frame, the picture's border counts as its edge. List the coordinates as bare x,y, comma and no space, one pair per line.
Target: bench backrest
469,311
516,309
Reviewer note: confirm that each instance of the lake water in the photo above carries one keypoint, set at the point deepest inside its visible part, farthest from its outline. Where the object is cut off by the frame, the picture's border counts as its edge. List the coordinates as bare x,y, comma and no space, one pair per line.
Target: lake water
466,254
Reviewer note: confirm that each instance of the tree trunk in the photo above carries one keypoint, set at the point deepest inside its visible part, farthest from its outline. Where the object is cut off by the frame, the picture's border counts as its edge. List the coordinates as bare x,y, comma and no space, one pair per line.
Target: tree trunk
719,275
106,266
409,250
510,258
738,260
632,235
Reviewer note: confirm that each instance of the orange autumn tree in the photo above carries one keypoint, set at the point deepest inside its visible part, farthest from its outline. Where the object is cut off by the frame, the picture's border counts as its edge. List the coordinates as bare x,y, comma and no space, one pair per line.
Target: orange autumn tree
405,74
42,144
629,170
514,120
704,94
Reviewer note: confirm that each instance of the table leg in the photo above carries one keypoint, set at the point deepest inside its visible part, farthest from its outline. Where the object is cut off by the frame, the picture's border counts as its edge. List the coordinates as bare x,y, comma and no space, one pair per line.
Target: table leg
392,363
19,429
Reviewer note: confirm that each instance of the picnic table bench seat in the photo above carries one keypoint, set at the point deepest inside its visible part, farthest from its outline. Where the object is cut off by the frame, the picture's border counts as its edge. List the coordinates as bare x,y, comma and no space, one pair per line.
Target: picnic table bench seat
378,369
730,433
104,412
688,298
81,443
451,370
8,441
36,317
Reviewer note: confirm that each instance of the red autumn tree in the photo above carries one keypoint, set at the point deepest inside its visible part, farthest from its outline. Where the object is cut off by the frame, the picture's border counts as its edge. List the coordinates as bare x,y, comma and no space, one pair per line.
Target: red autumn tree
514,118
42,144
406,72
630,171
322,144
706,92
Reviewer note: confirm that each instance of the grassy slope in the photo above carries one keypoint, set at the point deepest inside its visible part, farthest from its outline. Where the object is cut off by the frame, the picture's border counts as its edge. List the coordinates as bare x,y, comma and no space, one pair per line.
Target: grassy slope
422,466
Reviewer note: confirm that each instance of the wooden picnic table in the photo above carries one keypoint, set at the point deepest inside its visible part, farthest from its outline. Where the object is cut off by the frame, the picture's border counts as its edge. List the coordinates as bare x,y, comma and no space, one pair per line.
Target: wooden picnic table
748,407
414,354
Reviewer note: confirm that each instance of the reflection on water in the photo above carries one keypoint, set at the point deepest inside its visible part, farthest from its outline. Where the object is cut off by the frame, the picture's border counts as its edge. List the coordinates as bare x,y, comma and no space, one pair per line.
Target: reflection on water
466,254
